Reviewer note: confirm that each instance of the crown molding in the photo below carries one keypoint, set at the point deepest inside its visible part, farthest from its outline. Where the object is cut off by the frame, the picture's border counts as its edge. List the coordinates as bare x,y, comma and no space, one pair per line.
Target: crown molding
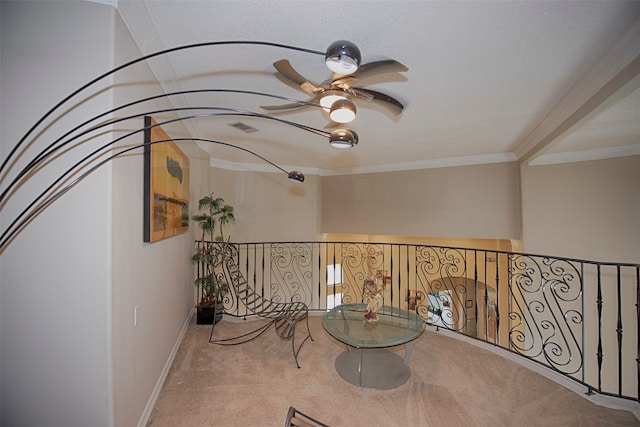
543,159
258,167
587,155
425,164
390,167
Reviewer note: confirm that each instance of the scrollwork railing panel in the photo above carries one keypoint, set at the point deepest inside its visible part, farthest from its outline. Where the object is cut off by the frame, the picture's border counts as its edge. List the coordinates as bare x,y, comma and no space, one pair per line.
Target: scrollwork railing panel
359,260
546,311
291,272
441,274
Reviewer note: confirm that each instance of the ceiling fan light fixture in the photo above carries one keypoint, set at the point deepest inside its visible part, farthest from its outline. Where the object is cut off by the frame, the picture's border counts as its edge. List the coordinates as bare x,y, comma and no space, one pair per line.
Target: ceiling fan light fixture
342,111
296,176
343,138
343,57
329,97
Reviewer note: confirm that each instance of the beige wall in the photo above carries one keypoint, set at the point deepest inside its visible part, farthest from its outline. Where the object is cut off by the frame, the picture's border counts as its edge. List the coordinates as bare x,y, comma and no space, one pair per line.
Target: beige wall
587,210
157,278
473,206
268,206
480,201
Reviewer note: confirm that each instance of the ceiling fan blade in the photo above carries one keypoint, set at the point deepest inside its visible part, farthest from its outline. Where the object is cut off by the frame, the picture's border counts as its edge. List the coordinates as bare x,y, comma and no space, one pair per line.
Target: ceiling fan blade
369,70
292,106
391,103
380,67
285,68
360,93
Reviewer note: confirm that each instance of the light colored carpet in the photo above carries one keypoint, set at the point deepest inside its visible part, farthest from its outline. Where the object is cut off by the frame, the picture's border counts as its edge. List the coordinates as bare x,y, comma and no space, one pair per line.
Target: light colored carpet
452,383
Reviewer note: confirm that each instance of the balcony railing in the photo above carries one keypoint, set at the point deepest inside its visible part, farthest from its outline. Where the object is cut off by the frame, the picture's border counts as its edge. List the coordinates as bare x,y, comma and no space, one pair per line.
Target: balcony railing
578,318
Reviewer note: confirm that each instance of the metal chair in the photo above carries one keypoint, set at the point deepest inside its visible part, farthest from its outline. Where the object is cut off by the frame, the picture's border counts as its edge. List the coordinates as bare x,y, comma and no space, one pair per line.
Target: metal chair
283,315
296,418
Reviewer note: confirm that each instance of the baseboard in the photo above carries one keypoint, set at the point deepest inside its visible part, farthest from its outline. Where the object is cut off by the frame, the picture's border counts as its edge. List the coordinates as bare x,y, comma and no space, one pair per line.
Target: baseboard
146,414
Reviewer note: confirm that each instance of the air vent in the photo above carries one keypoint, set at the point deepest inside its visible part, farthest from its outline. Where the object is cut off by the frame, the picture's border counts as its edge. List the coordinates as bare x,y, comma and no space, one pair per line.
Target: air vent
243,127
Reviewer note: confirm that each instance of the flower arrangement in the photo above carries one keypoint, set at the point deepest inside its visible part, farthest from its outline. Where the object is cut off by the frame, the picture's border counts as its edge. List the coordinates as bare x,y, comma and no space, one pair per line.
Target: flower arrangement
372,296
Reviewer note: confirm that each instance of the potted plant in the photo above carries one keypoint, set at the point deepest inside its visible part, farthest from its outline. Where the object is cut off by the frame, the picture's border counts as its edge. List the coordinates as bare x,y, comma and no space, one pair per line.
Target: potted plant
210,278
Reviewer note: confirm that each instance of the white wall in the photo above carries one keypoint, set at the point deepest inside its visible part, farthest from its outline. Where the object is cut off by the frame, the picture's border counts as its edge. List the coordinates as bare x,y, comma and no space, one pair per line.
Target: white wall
70,352
55,276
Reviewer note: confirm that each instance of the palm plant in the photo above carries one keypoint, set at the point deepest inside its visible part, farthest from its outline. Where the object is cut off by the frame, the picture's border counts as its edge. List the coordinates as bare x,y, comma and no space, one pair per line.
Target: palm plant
213,216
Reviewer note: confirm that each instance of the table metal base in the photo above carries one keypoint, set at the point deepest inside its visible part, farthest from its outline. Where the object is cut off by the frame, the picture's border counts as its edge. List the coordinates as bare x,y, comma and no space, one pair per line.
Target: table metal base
373,368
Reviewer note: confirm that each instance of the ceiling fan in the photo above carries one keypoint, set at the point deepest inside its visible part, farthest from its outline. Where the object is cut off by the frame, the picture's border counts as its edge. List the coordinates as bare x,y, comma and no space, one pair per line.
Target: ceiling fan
341,86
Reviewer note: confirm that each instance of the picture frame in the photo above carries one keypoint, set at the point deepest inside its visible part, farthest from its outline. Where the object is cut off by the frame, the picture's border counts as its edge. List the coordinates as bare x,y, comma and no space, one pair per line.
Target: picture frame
166,185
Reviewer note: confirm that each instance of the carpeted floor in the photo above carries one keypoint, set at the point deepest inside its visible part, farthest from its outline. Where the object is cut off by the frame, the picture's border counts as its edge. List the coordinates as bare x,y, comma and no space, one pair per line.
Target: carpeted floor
452,383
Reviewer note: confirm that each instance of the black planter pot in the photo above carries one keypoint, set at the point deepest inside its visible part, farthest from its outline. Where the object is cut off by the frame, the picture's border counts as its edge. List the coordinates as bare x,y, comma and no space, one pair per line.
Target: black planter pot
204,315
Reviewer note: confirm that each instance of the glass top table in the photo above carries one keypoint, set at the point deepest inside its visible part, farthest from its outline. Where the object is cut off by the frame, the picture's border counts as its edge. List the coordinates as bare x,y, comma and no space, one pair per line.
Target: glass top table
370,366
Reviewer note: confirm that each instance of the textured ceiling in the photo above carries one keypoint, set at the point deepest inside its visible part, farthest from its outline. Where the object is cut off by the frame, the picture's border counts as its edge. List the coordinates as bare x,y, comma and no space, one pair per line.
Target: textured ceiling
488,81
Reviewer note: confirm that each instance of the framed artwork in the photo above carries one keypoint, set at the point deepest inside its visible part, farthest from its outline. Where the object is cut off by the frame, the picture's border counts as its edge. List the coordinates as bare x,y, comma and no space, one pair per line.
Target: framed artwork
166,185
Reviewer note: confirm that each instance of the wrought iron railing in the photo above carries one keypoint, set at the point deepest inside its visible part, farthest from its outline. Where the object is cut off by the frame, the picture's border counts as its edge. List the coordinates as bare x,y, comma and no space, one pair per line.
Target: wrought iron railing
578,318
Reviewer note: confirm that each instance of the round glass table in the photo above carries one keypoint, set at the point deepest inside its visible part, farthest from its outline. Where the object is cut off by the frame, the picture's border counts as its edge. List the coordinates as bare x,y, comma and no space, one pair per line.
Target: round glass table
366,363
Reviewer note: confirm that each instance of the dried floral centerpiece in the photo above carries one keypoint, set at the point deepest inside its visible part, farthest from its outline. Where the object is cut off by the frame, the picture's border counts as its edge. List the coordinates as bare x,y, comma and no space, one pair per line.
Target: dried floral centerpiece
372,296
